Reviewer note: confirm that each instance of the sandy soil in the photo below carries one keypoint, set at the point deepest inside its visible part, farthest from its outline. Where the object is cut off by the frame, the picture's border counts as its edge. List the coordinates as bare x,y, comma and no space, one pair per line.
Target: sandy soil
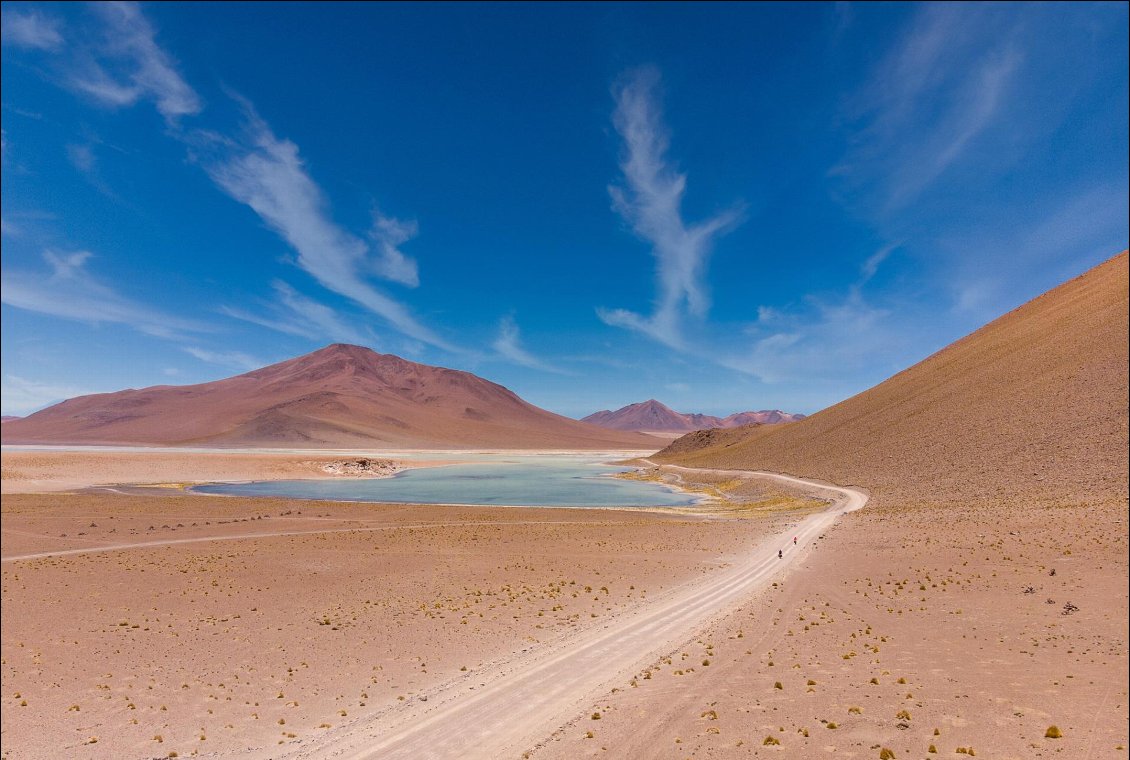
897,635
306,616
510,707
45,471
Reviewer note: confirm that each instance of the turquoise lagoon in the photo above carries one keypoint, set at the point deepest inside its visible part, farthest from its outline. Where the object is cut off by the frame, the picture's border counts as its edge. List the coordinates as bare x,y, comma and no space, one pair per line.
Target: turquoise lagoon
511,481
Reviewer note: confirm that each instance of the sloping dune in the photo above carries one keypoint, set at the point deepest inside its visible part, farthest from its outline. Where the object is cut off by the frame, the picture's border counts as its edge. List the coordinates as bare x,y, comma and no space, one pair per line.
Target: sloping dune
1033,403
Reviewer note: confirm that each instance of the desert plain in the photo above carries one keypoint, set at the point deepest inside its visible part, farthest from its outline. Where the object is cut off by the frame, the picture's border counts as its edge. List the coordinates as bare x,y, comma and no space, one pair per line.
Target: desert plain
146,621
233,627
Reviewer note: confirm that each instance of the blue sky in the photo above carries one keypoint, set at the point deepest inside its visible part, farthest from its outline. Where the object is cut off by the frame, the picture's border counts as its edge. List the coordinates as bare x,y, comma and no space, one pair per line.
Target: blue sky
724,207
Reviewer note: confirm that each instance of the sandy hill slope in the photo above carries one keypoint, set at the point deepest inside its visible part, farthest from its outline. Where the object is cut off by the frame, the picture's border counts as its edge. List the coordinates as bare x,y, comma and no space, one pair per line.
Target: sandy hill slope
652,415
339,396
1034,403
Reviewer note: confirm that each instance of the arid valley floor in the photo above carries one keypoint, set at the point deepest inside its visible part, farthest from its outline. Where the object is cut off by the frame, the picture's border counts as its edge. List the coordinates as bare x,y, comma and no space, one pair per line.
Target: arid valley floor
215,625
250,628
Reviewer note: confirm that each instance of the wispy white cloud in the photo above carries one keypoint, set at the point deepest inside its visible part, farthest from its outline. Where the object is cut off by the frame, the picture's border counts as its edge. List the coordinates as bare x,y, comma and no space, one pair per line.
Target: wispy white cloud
267,174
390,263
767,314
21,396
85,157
825,337
67,266
948,141
870,266
30,29
508,344
650,201
127,65
82,158
88,77
233,359
978,105
283,324
296,314
1053,240
123,64
71,292
935,92
824,341
322,317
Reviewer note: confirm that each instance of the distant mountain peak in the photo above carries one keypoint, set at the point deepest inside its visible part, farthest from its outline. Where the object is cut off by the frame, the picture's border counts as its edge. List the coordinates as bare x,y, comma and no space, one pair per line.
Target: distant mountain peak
655,416
339,395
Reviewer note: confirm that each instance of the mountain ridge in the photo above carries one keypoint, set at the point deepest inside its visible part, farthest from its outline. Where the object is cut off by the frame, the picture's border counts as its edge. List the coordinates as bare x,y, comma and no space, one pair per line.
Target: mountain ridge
652,415
338,396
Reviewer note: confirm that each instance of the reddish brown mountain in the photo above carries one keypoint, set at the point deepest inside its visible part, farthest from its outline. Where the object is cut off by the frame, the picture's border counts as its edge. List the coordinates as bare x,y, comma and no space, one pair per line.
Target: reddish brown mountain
653,416
1032,404
339,396
764,417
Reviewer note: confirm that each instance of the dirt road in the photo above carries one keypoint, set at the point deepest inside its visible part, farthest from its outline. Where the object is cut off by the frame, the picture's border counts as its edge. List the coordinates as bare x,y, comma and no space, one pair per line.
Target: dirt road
129,545
512,705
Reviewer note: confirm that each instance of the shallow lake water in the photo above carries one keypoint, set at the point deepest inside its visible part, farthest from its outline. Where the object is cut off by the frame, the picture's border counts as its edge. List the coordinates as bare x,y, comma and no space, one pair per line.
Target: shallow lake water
511,481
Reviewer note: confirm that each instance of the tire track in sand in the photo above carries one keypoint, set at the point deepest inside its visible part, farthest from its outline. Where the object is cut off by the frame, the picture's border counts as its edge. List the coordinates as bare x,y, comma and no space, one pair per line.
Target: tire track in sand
516,703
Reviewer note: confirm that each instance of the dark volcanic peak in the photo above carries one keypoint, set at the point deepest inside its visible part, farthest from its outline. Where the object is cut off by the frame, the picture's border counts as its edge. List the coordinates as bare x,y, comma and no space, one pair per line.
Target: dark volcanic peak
338,396
651,415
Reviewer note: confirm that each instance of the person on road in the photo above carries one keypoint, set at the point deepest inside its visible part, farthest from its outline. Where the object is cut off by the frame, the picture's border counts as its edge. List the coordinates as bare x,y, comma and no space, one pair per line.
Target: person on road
794,540
780,553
